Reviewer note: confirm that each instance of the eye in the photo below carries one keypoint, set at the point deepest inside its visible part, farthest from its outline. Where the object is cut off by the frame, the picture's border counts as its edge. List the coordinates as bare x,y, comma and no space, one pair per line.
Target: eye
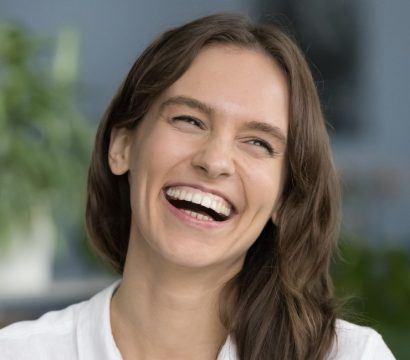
265,145
190,120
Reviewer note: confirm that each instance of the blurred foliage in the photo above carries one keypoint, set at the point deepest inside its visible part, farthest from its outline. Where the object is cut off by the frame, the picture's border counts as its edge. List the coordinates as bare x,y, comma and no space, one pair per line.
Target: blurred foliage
379,279
44,139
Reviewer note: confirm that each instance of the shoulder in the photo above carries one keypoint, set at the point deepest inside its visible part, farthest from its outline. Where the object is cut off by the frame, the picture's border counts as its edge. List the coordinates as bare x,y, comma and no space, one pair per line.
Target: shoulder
358,342
54,331
80,331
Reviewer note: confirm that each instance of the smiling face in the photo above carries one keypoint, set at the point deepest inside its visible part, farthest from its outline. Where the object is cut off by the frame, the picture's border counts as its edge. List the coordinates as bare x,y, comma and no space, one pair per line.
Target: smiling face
205,133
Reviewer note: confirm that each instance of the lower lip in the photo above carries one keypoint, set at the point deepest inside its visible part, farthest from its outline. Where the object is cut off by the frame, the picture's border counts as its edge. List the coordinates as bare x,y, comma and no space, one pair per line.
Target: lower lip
189,220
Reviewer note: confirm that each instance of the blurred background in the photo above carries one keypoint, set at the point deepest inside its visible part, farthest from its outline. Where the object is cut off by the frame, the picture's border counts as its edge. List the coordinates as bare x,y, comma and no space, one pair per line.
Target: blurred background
60,64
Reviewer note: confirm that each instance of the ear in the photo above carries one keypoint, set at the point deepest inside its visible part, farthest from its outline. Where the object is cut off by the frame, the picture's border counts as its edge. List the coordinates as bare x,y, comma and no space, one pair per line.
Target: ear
274,213
273,217
119,150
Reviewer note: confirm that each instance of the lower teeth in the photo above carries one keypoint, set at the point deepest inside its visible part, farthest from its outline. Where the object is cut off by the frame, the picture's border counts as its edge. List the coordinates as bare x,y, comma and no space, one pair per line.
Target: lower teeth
197,215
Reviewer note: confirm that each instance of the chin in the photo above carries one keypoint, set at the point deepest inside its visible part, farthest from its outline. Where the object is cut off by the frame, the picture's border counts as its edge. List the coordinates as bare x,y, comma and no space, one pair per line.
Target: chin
195,257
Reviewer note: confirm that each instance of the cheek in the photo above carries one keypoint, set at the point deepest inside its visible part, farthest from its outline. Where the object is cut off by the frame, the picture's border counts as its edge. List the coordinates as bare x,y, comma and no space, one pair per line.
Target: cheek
266,184
155,153
166,149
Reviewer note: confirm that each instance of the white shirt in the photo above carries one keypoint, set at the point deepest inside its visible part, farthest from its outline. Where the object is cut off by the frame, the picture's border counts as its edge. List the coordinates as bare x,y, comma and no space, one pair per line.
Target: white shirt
83,332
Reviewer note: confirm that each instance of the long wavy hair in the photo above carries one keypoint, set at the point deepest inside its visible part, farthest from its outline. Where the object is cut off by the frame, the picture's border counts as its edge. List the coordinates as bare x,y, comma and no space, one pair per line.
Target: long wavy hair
281,303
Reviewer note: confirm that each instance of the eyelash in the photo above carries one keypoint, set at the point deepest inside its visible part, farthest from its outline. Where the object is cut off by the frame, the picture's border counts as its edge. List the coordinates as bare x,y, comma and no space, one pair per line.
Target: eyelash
266,146
199,123
188,119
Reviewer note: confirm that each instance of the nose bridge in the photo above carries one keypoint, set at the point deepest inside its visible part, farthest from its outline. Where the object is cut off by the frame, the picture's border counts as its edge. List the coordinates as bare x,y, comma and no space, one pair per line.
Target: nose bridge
215,156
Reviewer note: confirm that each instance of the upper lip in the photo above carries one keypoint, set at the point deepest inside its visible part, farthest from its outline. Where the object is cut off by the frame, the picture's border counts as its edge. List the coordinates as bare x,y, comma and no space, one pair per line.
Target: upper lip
205,189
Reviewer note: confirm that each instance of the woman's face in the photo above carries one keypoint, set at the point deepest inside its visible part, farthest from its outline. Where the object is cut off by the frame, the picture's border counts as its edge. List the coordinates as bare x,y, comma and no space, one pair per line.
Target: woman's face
201,141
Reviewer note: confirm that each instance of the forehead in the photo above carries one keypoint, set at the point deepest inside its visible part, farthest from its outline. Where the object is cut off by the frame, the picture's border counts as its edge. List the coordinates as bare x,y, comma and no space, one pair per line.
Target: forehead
236,82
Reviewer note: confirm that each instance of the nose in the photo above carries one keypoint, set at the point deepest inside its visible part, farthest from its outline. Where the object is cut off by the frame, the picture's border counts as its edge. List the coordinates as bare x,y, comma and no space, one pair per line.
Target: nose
215,158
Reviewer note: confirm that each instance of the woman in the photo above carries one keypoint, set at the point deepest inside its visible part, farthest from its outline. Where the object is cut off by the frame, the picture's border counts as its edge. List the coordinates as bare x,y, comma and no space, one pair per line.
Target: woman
213,193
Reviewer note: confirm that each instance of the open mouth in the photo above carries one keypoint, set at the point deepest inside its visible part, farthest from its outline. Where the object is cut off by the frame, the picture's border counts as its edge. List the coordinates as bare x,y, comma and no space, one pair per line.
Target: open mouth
197,209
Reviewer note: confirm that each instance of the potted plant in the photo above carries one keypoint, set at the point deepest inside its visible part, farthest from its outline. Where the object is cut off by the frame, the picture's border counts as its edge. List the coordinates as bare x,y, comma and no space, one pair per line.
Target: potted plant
44,147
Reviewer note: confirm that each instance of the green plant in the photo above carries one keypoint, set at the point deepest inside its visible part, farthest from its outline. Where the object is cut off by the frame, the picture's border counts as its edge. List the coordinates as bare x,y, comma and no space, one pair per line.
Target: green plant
44,139
378,279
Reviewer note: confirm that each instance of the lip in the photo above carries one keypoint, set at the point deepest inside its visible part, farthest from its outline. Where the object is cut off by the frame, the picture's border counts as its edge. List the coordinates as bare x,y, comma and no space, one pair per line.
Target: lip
189,220
205,189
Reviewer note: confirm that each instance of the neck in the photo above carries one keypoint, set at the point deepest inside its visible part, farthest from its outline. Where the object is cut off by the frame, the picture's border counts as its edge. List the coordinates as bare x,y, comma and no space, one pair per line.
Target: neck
166,312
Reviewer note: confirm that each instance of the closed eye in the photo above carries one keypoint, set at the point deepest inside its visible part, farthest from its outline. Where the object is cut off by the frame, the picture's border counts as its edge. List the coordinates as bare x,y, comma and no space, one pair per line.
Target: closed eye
198,123
189,120
265,145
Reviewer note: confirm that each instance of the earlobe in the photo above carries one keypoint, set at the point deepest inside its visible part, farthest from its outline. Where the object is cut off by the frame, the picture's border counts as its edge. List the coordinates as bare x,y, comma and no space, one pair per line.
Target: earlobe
119,150
273,217
274,213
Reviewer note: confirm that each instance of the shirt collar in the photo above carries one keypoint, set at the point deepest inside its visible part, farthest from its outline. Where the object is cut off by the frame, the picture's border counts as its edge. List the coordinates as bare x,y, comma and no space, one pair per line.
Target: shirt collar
94,336
228,350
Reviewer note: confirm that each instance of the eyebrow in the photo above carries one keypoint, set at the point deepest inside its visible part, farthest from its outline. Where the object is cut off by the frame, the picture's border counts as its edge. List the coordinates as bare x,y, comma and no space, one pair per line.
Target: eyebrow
190,102
268,129
264,127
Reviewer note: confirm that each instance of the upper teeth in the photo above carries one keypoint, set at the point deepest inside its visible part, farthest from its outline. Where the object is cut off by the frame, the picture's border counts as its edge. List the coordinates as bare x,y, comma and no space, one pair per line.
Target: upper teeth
196,196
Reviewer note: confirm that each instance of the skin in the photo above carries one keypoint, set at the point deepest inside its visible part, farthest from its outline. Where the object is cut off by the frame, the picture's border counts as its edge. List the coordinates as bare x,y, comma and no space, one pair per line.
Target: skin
167,304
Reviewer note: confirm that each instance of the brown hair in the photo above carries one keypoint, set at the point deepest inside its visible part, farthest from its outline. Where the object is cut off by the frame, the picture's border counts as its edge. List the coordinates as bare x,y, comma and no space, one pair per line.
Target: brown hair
283,305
